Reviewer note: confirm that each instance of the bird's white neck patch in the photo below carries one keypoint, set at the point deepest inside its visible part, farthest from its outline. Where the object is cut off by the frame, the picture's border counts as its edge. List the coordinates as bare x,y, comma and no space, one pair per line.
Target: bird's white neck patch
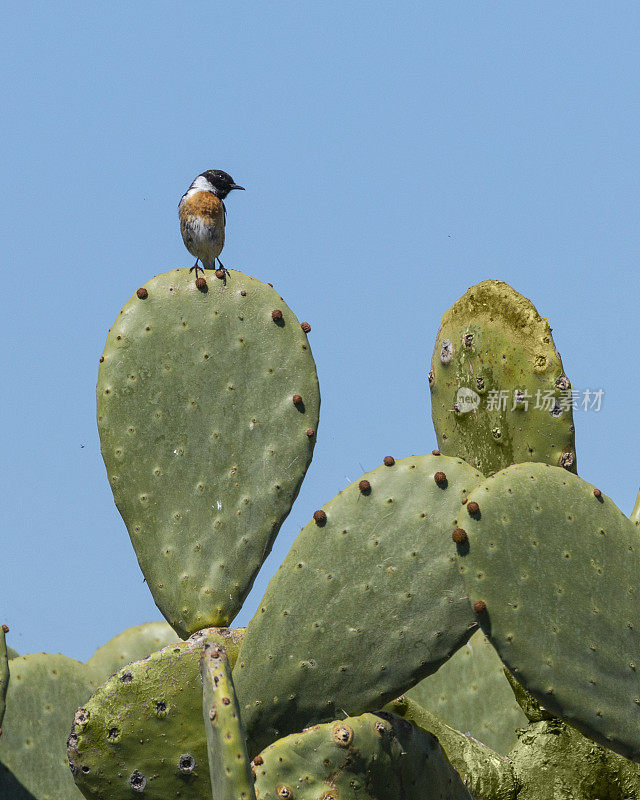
201,184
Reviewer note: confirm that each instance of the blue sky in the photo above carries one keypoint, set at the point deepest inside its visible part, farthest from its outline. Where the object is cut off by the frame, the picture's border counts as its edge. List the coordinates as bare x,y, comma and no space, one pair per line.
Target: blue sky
393,154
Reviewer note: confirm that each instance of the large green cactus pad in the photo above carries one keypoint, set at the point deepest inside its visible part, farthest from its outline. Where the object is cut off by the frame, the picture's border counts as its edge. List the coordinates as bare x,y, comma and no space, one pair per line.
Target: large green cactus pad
226,747
143,730
367,602
44,693
368,757
207,411
494,361
131,645
556,564
472,694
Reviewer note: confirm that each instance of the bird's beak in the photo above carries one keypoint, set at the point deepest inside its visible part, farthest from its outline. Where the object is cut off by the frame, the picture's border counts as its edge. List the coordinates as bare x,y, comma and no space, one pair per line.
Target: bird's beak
235,186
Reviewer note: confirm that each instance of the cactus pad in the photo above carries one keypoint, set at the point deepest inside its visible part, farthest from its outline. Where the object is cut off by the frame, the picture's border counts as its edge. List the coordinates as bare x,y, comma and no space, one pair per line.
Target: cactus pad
130,645
207,409
369,757
552,760
227,750
551,566
143,728
486,773
367,602
532,709
493,341
4,673
44,693
471,693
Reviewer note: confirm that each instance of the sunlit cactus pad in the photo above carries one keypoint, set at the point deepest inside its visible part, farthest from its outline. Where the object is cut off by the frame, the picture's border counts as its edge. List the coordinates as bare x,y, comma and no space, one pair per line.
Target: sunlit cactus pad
472,694
44,693
208,407
143,729
368,757
499,393
551,566
553,760
367,602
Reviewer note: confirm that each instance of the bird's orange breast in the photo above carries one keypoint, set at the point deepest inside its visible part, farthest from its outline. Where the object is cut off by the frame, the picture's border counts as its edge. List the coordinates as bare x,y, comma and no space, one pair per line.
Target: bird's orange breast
204,205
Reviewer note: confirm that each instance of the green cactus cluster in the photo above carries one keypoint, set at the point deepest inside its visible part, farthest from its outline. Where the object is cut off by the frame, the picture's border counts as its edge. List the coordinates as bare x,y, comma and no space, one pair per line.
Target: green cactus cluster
462,624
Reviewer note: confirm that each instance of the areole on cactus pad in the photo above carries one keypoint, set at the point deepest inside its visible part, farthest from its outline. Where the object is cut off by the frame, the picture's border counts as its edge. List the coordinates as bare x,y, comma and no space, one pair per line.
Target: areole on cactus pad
208,406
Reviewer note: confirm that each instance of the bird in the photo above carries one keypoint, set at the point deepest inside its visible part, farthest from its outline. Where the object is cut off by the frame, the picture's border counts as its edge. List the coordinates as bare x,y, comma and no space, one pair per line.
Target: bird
203,216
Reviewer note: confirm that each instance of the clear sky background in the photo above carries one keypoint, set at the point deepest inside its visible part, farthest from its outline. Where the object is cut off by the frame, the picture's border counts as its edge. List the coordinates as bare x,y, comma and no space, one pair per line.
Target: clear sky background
394,155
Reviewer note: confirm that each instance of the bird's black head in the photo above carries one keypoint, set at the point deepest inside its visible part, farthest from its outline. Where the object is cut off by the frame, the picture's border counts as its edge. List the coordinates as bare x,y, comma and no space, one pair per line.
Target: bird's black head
221,183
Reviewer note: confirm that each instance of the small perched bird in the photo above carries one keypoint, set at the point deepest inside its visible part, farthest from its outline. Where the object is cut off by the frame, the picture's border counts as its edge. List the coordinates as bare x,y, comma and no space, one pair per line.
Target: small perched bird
203,215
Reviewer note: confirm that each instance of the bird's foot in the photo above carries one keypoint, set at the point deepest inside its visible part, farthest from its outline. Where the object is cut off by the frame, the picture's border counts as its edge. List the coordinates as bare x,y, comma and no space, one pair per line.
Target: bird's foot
196,267
222,267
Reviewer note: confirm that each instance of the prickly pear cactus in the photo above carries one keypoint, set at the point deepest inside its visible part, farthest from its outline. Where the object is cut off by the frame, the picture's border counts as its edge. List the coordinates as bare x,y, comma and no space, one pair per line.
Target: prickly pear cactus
635,514
498,387
226,746
485,773
553,760
367,602
531,708
471,693
551,566
142,730
207,409
4,672
131,645
44,692
371,757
